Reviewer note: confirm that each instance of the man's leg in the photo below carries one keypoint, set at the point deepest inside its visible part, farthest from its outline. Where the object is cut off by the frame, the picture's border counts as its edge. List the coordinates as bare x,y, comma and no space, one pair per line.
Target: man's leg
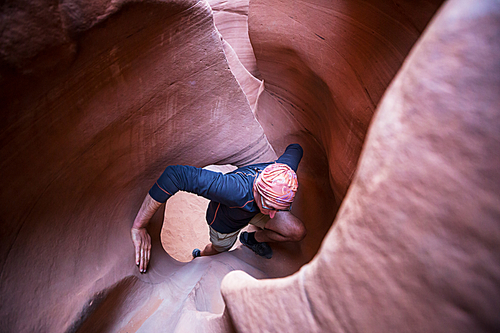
284,227
218,243
209,250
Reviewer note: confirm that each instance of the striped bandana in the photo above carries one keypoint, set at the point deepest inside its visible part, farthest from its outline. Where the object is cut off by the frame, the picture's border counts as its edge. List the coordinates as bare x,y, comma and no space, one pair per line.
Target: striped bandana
278,184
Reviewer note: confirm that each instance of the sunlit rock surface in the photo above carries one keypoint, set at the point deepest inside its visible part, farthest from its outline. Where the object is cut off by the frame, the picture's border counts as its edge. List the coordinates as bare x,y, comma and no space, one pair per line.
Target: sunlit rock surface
97,98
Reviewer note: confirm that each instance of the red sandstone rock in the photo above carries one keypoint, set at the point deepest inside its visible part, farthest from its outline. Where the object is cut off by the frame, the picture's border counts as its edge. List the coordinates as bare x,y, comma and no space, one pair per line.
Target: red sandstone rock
231,20
81,145
415,245
97,98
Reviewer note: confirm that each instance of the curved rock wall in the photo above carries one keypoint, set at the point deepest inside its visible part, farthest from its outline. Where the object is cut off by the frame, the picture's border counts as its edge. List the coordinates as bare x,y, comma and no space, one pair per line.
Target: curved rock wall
82,143
327,64
415,245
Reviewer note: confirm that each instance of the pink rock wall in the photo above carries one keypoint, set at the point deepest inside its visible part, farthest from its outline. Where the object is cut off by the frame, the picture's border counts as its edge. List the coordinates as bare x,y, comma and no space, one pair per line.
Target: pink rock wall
82,143
97,98
415,245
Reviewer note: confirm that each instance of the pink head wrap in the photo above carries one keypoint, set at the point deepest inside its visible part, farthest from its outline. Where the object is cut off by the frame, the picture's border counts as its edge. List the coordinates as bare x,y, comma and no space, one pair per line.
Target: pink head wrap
277,184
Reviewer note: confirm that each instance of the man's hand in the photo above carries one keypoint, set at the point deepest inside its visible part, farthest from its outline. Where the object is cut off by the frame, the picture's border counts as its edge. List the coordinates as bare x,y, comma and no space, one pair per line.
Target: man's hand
140,236
142,245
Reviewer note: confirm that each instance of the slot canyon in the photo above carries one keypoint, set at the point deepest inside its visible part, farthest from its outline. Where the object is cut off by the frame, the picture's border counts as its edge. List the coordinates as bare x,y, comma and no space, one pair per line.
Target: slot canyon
396,104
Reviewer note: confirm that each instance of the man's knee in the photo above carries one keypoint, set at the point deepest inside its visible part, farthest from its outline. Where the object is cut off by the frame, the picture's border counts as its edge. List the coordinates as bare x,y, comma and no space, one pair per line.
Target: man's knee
296,233
289,227
299,233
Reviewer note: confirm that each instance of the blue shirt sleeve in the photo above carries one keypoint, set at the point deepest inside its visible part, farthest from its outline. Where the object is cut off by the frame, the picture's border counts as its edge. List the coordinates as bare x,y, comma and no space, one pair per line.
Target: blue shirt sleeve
229,189
215,186
292,156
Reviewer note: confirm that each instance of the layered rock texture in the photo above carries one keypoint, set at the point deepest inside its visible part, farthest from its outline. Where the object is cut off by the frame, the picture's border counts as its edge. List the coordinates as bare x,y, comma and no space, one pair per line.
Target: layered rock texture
397,107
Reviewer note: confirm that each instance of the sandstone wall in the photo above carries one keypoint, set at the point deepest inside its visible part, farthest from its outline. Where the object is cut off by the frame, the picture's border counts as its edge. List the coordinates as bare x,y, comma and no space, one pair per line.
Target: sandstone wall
415,244
97,98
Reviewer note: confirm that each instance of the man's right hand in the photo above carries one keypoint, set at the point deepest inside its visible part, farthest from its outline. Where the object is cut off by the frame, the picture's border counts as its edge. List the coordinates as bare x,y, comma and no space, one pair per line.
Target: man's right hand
142,245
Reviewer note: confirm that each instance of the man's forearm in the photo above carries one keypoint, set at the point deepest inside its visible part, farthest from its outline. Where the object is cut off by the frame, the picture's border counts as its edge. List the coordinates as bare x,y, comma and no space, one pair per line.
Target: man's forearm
148,208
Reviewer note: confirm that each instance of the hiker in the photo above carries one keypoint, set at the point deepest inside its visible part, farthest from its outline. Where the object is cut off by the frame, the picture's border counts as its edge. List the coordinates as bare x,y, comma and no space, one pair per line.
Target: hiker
259,194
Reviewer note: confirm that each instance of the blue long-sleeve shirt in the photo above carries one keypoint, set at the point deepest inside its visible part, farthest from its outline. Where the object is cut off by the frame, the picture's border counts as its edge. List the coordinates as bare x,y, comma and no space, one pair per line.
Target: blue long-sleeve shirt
232,204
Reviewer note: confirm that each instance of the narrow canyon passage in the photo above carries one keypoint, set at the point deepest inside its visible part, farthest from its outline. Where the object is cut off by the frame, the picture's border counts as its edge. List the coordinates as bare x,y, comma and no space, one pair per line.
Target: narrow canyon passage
395,103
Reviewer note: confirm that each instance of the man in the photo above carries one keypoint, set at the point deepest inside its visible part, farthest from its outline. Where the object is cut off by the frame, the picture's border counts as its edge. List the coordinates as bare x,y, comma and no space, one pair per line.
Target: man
252,194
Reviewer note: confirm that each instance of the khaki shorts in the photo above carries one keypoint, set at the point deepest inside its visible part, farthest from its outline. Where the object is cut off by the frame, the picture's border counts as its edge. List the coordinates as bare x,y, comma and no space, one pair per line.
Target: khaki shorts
223,242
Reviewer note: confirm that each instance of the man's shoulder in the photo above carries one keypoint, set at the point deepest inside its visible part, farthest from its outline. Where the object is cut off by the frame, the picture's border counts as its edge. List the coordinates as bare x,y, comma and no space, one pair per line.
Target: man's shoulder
252,169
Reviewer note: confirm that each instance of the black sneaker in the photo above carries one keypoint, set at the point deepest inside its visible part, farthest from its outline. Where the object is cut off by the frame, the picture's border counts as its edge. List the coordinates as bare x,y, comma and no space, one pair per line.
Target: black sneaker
196,253
261,248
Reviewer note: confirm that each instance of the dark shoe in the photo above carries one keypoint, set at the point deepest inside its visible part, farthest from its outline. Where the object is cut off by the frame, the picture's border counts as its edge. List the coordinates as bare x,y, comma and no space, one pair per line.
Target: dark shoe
261,248
196,253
